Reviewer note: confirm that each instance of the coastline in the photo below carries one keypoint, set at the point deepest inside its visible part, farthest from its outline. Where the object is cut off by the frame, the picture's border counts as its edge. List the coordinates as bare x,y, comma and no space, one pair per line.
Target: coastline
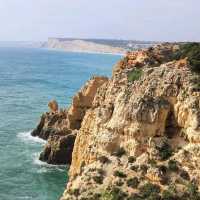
85,52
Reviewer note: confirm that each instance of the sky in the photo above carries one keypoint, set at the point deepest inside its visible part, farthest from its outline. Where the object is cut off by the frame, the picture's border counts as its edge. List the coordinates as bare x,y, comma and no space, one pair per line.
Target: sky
155,20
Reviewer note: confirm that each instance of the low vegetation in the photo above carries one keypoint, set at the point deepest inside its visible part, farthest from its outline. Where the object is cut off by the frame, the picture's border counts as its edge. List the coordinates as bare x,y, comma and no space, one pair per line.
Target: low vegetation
165,151
149,190
168,195
119,174
135,75
184,175
192,52
98,179
173,165
119,152
113,193
131,159
132,182
134,168
103,159
192,191
152,162
144,169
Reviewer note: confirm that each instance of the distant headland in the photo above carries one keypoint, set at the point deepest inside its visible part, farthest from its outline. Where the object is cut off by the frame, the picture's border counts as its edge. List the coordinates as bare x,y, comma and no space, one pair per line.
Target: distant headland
112,46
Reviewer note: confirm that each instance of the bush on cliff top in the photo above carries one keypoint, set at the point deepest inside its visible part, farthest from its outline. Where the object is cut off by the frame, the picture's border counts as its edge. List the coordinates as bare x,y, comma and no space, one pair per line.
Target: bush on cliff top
135,75
192,52
119,174
119,152
114,193
149,189
165,151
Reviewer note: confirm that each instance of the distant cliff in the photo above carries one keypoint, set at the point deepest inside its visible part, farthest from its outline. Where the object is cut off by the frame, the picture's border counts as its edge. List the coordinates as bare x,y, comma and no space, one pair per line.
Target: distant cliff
95,45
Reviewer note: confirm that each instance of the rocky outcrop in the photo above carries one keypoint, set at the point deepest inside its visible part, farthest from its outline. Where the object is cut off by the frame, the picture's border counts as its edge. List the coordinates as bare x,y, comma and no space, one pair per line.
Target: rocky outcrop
59,127
58,149
133,139
53,106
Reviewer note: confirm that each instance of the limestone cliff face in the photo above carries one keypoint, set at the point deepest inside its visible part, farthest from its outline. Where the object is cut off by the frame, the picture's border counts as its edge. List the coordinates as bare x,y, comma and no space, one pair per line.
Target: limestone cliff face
79,45
127,114
59,127
148,105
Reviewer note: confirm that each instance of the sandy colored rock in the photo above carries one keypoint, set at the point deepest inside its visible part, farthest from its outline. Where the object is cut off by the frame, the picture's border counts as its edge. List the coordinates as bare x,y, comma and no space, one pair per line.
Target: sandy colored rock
53,106
57,126
133,118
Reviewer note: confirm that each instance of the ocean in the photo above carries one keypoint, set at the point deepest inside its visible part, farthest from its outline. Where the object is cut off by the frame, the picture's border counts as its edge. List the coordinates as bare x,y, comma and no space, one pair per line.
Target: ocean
29,79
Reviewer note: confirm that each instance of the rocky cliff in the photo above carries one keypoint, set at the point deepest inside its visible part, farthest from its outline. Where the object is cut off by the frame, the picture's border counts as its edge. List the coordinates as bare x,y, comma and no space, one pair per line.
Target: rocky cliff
59,127
78,45
138,136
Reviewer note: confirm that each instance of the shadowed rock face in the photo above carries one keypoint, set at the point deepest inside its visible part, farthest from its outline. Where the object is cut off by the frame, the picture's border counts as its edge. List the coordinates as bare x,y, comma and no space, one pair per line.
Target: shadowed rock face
152,117
59,127
52,124
58,149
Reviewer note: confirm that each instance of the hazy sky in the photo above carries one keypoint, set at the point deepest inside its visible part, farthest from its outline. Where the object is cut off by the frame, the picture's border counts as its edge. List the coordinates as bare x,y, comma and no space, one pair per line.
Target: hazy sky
164,20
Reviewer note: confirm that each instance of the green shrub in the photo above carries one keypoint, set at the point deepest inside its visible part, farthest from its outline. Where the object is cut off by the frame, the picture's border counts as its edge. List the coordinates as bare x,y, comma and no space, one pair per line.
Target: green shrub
196,83
119,152
135,75
131,159
167,195
132,182
134,197
173,165
153,196
119,174
97,196
144,169
107,195
75,192
98,179
192,189
165,151
164,180
152,162
134,168
113,194
162,169
100,171
192,52
103,159
119,182
172,188
149,189
184,175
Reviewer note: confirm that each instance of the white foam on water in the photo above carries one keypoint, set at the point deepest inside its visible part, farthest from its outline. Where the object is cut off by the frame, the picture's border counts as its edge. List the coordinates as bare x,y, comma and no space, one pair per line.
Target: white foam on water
27,137
45,167
42,170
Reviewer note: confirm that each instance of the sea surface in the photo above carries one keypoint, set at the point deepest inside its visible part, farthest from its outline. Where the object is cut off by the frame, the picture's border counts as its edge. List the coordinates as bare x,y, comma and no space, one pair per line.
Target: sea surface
29,79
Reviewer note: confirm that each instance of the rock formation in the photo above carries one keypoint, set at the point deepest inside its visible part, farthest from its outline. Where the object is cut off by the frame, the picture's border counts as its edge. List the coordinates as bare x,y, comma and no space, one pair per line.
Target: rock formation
138,137
149,118
53,106
59,127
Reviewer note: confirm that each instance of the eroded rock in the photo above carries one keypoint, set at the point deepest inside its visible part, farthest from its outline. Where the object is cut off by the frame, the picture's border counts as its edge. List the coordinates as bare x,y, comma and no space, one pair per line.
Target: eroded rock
152,116
58,126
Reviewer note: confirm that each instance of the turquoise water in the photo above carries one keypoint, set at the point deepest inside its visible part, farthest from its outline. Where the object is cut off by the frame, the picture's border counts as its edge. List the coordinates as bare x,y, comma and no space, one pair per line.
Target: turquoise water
29,78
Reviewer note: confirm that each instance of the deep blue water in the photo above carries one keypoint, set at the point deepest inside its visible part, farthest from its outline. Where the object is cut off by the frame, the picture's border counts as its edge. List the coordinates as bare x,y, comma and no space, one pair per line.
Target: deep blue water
29,79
